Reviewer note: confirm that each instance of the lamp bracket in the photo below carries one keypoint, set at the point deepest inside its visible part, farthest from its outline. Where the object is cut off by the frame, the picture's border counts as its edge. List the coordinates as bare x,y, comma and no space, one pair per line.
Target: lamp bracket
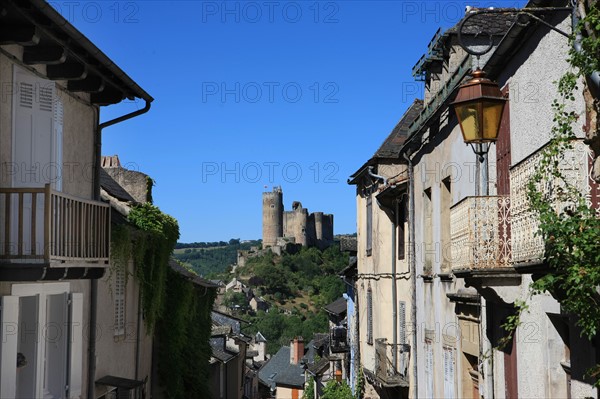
481,150
518,14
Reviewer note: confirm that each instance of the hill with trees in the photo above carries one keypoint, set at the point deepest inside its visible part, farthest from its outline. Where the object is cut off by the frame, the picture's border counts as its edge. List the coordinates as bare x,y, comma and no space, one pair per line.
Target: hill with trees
297,286
212,259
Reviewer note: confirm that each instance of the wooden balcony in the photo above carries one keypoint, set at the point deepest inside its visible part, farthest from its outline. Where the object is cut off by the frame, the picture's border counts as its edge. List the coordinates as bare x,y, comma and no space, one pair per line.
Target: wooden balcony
41,226
527,246
386,373
338,339
480,235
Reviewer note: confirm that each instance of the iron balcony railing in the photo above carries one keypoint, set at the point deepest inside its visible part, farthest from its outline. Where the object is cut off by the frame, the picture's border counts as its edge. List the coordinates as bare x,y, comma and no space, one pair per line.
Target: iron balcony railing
386,371
575,166
41,225
480,233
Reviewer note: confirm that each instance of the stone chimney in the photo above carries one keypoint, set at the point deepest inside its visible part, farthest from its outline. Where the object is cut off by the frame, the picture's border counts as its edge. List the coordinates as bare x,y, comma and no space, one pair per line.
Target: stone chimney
296,350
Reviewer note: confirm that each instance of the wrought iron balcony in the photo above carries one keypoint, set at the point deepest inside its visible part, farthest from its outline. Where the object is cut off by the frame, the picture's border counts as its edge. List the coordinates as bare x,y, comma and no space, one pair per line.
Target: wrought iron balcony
480,234
528,247
386,372
46,227
338,339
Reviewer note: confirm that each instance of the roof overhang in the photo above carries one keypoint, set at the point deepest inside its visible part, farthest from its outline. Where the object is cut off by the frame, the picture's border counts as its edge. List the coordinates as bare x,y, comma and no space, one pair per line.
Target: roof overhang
49,39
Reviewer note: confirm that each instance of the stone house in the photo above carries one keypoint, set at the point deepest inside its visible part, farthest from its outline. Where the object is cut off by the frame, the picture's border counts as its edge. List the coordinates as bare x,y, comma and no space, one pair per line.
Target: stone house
54,83
473,250
382,289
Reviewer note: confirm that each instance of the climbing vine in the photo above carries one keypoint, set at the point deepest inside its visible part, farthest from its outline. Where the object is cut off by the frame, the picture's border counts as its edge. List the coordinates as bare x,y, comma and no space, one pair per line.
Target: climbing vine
153,243
184,336
568,224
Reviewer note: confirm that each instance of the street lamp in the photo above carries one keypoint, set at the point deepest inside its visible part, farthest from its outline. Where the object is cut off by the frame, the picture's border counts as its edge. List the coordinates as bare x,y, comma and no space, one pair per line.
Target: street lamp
478,105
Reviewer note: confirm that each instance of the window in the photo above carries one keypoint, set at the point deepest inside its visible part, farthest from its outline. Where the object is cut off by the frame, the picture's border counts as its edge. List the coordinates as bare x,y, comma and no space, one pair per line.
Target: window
369,316
445,222
119,301
400,222
428,246
369,225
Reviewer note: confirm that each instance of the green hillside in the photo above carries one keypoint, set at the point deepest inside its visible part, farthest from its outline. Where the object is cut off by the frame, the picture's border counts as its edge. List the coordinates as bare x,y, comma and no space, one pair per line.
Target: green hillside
211,259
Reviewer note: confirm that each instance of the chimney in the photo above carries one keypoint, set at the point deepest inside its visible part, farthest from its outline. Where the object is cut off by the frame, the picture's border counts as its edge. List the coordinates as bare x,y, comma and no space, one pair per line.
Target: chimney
296,350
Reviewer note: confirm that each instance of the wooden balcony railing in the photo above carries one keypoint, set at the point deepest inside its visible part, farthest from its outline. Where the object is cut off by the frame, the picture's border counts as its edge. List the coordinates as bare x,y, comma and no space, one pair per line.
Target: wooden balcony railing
385,369
527,246
41,225
480,233
338,339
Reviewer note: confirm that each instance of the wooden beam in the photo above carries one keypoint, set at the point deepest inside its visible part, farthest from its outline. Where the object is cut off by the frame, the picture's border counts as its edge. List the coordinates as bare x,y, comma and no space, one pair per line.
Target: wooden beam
91,84
48,55
107,96
19,34
70,70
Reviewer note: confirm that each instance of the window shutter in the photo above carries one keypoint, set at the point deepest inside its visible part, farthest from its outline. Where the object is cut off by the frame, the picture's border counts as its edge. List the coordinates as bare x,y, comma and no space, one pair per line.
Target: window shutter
402,321
449,373
369,316
8,348
55,172
119,298
76,345
428,369
33,129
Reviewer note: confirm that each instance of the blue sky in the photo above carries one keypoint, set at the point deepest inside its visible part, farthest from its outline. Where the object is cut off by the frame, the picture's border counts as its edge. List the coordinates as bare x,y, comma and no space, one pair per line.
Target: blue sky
255,94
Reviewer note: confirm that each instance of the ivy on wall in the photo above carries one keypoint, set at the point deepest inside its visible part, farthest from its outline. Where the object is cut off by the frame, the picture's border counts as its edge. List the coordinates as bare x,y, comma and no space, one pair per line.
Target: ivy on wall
176,311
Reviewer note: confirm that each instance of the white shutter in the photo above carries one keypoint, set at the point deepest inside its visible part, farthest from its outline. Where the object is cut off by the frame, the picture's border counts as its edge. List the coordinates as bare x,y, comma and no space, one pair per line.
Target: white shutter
76,342
8,346
33,133
119,301
369,316
402,322
449,373
56,169
428,369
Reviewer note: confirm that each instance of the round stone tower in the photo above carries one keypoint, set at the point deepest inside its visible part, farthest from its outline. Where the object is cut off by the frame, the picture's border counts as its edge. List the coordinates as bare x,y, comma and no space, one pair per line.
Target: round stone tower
272,216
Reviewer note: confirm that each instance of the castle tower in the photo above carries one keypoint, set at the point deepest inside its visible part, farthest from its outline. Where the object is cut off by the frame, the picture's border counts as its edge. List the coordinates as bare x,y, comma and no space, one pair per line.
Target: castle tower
272,216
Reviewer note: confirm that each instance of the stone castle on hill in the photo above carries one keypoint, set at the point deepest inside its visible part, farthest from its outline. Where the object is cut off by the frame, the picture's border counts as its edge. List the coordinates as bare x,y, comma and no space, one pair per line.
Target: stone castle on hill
281,227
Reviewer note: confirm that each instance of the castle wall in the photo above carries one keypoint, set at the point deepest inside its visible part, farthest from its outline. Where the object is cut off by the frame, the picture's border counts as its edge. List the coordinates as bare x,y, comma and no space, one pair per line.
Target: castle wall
272,216
306,229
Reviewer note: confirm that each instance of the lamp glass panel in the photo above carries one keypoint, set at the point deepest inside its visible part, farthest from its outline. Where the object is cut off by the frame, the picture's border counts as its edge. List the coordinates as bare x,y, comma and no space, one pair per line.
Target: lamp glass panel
468,119
492,115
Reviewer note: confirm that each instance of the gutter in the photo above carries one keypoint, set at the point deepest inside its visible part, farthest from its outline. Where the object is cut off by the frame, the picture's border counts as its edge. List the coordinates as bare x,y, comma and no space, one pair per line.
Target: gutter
94,282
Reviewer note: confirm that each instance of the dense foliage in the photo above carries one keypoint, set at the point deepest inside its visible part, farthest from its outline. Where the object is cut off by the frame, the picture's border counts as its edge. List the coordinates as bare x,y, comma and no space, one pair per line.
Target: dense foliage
211,259
175,310
154,240
298,286
184,336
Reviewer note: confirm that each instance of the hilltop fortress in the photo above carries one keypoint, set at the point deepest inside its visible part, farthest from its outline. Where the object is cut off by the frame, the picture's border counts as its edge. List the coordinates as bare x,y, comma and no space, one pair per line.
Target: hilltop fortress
296,226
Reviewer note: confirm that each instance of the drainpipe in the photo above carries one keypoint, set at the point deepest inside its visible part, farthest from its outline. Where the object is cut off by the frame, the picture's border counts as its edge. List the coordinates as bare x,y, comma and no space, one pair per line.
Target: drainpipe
94,282
394,291
412,267
370,171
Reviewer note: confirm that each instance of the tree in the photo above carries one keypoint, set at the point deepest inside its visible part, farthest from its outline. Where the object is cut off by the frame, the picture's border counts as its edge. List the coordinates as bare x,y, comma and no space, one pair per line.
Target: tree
337,390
